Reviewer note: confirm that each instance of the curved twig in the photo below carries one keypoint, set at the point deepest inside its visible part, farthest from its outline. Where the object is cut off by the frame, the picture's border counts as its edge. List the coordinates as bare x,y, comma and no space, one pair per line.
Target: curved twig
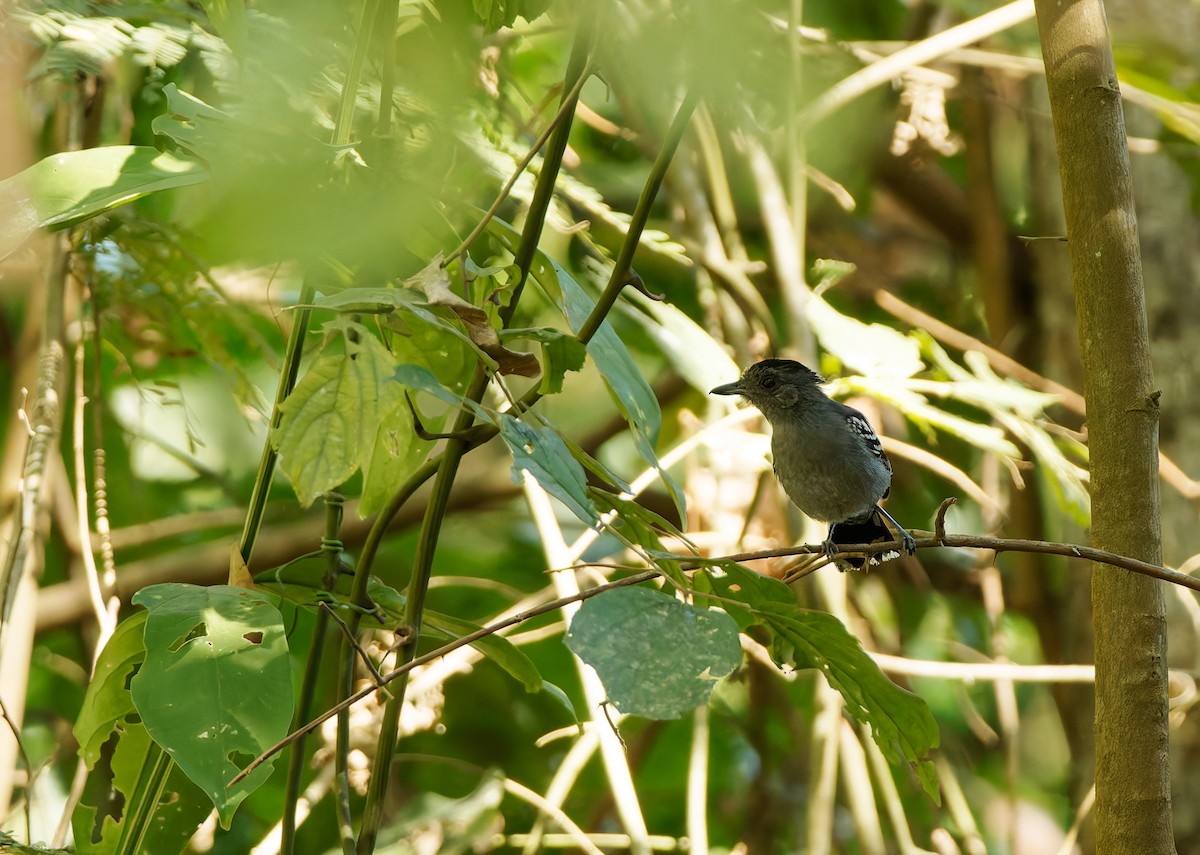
928,541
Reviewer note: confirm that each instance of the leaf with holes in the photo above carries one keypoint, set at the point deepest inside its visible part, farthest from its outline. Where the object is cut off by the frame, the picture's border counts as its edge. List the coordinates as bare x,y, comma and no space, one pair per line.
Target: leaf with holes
542,453
215,690
656,656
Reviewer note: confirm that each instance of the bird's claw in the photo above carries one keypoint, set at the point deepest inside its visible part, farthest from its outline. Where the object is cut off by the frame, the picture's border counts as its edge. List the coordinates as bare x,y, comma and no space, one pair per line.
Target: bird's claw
908,542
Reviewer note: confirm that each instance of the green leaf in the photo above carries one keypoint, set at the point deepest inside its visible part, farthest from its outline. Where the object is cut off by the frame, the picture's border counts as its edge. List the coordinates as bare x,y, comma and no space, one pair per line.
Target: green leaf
872,349
159,808
633,396
107,701
657,657
164,820
640,528
396,452
542,453
742,591
192,124
330,422
495,647
72,186
215,690
420,378
900,722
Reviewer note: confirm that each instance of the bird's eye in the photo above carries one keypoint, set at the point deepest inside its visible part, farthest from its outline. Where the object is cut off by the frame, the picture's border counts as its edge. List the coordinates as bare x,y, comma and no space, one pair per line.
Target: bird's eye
769,382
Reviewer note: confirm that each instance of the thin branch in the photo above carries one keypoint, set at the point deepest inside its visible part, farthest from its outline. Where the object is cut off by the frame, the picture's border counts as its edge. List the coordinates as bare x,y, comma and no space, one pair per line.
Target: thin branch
622,271
926,540
568,105
919,53
1069,398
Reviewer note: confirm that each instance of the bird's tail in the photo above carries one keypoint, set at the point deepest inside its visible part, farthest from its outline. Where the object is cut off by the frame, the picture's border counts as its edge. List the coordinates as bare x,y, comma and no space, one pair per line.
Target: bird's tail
871,530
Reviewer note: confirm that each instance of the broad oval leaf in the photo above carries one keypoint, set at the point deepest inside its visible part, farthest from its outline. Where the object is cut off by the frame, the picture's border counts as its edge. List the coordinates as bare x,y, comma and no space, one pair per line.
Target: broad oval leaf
656,656
215,690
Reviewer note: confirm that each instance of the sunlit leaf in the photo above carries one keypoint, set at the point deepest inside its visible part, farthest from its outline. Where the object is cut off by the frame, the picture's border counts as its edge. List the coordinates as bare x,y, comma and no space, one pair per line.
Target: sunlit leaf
872,349
225,647
72,186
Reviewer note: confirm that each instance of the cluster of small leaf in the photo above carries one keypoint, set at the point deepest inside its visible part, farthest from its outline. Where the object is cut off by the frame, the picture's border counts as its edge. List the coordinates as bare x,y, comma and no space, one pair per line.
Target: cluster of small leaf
85,38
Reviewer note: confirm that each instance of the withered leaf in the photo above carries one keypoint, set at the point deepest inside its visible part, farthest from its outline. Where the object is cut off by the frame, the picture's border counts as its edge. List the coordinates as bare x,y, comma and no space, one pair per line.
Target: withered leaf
434,283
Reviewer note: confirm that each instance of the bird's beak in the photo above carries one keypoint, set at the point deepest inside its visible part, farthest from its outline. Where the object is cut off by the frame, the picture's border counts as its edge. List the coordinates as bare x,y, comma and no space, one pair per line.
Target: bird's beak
728,389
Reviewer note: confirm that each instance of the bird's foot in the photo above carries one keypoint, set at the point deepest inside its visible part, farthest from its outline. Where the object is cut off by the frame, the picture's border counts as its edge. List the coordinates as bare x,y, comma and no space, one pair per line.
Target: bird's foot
834,555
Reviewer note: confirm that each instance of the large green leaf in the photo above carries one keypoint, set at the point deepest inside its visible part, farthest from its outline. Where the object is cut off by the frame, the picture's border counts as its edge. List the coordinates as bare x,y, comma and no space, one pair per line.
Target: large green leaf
656,656
159,807
330,423
72,186
215,690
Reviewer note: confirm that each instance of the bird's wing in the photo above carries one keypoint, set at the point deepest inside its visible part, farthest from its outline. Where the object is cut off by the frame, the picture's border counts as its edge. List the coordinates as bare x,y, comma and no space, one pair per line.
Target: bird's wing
858,423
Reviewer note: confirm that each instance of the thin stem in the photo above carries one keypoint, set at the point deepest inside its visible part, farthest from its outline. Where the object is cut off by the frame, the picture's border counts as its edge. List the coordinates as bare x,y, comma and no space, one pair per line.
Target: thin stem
295,345
926,540
567,107
641,213
447,470
266,463
543,192
362,46
332,549
385,26
414,608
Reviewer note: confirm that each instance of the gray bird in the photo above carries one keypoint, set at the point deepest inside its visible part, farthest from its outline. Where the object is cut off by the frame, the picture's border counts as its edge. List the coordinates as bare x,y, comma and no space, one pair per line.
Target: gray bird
827,457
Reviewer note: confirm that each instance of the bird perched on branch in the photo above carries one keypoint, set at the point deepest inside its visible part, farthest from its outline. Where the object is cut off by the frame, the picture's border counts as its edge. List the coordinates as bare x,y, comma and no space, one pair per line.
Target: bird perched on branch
827,457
